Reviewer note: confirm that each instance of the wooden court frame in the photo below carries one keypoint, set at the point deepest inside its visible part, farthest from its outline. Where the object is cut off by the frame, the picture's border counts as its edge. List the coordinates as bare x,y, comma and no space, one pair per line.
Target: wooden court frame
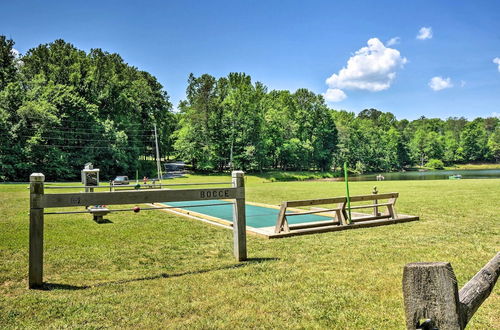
39,201
359,220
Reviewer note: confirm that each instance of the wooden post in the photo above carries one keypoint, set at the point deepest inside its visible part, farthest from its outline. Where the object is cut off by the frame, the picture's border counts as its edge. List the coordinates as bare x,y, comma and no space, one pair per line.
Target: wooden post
281,222
239,217
391,208
375,209
431,294
35,276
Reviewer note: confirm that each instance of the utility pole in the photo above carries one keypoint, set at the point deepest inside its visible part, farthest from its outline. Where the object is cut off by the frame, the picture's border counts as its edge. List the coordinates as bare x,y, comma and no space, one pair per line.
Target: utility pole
158,166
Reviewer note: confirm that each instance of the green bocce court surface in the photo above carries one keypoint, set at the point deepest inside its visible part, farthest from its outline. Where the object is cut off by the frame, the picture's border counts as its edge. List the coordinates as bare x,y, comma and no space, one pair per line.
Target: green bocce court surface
256,216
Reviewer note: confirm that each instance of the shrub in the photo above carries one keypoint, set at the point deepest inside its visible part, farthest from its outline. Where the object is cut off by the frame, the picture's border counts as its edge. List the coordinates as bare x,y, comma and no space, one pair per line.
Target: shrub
436,164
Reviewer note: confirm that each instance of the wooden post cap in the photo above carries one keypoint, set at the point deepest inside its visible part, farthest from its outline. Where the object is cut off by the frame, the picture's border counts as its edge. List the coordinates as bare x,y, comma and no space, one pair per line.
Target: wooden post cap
37,177
237,174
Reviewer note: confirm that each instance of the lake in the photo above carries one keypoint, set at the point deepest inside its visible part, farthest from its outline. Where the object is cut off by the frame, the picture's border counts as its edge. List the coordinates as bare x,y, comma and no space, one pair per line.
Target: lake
430,175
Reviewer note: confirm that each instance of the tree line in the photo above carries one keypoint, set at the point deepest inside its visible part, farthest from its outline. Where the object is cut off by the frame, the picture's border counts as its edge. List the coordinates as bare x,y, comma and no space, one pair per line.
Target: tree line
61,107
231,122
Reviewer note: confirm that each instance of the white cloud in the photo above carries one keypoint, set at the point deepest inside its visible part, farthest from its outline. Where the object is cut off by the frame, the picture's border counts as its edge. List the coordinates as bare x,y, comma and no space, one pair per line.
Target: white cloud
496,60
334,95
439,83
371,68
495,115
424,33
393,41
15,52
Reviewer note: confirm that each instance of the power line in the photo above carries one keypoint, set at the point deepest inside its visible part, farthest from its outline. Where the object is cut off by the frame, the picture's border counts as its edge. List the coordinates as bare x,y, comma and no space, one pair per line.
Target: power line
129,138
85,147
77,131
96,121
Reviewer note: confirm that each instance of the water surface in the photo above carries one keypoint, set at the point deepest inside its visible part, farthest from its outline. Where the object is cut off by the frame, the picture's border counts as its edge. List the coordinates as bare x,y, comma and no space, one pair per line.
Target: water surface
430,175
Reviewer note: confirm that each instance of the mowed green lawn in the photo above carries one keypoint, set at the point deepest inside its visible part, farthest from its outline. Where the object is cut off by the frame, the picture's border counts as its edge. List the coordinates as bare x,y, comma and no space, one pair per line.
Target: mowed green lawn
157,270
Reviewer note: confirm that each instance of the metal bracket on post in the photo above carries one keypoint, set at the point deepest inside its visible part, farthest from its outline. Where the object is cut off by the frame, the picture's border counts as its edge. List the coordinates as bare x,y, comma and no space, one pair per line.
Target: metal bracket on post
35,276
239,217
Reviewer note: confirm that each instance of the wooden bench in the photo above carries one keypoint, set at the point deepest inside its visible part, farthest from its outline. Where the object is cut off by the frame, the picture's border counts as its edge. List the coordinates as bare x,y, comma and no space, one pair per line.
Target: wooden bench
340,211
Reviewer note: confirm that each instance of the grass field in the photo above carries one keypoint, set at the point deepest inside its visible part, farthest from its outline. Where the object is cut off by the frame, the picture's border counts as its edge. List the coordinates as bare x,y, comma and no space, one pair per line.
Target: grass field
157,270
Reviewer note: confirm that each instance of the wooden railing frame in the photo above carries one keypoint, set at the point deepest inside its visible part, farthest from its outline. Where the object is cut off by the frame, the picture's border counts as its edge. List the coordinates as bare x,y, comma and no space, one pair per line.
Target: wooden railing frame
431,294
39,201
340,210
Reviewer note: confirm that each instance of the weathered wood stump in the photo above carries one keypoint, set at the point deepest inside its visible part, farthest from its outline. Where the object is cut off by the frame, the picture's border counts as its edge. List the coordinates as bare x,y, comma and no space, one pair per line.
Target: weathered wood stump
432,299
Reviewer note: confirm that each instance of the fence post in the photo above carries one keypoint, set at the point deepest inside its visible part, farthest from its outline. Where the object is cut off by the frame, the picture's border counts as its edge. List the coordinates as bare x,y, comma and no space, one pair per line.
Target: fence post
239,217
375,209
35,276
430,292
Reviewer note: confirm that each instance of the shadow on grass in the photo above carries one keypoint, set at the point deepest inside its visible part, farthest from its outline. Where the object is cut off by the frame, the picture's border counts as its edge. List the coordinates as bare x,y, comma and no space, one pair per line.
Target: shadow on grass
57,286
104,221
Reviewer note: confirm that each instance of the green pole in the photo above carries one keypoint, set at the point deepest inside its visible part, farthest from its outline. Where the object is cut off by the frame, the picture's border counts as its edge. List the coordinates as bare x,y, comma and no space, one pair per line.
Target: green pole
347,192
136,176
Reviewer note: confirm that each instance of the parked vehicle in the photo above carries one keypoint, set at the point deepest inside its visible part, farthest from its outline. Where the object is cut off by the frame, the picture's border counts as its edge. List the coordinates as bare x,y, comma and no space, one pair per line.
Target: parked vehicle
120,180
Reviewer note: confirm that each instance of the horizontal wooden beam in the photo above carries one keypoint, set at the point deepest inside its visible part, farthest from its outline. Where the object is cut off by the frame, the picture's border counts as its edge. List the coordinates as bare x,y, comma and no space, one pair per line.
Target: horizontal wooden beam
475,292
361,198
336,227
369,206
312,212
335,200
323,201
136,197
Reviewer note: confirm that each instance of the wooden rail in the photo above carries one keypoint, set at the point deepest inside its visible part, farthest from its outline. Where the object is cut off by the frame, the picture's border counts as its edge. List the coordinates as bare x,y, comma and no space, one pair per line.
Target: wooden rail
340,211
432,299
39,201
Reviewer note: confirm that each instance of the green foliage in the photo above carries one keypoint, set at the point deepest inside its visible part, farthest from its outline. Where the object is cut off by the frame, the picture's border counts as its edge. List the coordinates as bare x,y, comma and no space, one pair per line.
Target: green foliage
435,164
494,144
232,123
474,141
61,108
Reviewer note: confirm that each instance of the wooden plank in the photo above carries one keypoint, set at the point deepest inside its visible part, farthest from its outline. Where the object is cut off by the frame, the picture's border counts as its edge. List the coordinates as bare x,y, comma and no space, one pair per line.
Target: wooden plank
35,271
430,292
361,198
311,212
391,208
475,292
239,217
369,206
323,229
139,197
280,221
373,217
308,202
313,225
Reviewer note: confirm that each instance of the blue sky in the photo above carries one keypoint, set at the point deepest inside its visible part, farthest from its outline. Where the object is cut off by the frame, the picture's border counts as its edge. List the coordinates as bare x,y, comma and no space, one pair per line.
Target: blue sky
294,44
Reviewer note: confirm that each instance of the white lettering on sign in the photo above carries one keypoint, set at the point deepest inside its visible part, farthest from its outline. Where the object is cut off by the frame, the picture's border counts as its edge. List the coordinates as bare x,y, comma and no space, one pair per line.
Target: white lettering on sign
214,194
